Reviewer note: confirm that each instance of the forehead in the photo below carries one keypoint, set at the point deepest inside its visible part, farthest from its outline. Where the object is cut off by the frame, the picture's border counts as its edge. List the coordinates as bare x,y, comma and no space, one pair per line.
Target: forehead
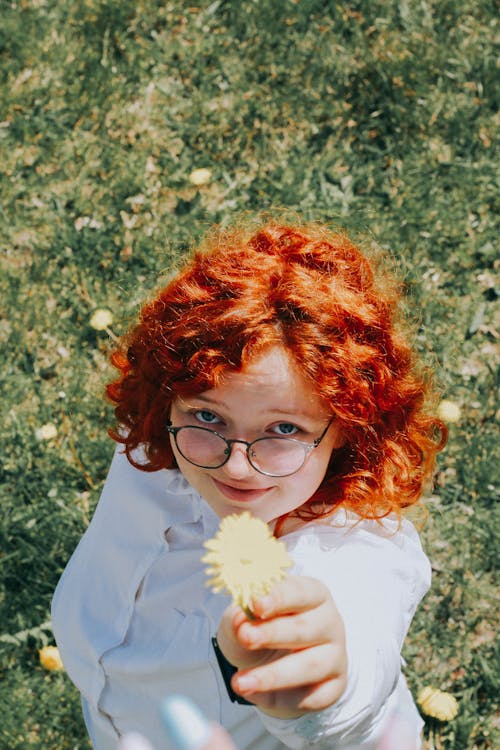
271,369
272,379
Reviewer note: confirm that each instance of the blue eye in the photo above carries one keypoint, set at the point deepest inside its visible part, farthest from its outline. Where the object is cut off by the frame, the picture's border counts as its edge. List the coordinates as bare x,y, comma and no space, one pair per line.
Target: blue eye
286,429
207,417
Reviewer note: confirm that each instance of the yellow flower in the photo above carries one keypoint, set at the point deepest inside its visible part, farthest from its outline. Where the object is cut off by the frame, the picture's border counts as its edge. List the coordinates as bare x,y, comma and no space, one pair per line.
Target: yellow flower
46,432
200,176
245,559
50,658
101,319
449,411
437,704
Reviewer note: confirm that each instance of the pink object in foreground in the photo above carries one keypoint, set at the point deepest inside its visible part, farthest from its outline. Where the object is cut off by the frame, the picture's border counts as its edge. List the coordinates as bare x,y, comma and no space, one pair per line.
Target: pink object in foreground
397,736
189,729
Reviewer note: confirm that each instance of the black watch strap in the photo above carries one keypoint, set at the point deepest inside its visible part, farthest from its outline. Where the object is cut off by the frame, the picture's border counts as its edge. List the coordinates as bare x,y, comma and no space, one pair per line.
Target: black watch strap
227,670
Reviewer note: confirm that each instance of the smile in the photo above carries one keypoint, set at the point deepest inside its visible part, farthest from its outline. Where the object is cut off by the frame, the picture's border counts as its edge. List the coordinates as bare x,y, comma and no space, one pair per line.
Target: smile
240,494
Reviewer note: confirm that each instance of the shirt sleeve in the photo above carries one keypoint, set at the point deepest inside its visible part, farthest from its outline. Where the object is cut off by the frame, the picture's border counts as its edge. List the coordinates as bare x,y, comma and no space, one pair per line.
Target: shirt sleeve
377,573
94,600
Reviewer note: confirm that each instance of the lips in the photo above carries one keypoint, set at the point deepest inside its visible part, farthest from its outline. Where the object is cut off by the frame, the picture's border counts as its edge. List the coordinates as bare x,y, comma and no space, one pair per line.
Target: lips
240,494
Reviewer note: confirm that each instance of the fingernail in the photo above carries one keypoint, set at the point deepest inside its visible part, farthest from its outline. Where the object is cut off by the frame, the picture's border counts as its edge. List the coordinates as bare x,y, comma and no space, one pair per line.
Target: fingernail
246,683
184,722
134,741
265,605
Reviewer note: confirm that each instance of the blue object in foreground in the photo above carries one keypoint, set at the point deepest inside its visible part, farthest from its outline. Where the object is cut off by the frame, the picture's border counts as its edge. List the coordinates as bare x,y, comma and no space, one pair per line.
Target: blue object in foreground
186,725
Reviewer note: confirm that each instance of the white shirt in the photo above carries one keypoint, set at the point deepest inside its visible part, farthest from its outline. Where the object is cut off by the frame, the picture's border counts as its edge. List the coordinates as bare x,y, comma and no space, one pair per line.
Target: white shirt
133,617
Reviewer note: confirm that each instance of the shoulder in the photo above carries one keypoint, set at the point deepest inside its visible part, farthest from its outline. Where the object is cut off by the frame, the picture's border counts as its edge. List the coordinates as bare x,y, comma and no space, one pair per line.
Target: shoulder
133,513
123,540
122,474
386,553
154,496
345,529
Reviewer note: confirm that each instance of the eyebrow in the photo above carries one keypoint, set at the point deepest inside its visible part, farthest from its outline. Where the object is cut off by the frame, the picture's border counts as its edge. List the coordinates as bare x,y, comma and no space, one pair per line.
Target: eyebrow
283,412
206,400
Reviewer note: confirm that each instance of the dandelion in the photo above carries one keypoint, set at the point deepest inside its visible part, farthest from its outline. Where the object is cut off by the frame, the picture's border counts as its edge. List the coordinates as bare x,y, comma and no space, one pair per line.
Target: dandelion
438,707
200,176
46,432
245,559
437,704
449,411
50,658
101,319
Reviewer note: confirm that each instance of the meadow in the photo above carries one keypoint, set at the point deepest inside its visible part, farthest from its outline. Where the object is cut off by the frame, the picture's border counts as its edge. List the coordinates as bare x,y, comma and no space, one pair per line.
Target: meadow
375,114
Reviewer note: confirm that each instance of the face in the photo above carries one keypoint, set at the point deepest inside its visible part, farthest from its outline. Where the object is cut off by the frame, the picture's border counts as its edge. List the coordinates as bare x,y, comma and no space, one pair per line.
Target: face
269,398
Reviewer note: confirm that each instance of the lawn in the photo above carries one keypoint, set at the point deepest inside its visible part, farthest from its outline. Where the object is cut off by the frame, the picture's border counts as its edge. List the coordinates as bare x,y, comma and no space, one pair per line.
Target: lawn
378,115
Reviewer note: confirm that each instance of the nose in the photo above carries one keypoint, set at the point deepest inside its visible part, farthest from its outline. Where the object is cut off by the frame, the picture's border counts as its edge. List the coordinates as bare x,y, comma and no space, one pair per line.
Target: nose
238,465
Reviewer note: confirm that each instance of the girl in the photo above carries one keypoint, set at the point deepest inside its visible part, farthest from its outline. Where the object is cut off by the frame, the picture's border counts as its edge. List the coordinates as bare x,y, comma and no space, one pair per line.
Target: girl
269,376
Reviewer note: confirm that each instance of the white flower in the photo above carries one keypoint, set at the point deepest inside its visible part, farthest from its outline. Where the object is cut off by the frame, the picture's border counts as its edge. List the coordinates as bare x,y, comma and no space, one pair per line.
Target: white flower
449,411
101,319
46,432
200,176
245,559
86,221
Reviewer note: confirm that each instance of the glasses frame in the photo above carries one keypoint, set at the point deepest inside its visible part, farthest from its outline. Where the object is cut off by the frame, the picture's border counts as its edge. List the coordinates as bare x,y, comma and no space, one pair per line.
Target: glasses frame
308,447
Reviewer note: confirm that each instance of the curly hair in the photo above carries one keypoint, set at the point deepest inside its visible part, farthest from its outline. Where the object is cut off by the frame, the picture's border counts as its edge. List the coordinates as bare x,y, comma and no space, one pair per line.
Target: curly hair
335,310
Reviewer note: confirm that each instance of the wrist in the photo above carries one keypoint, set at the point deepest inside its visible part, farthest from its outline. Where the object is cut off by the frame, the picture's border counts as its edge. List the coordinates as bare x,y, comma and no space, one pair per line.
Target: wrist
227,671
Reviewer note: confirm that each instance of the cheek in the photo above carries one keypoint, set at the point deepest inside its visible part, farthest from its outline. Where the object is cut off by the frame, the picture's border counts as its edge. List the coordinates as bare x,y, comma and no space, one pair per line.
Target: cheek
173,448
301,486
189,471
318,464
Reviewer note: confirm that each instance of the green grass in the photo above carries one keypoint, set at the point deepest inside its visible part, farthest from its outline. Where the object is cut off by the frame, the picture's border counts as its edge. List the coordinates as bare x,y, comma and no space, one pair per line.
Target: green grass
381,115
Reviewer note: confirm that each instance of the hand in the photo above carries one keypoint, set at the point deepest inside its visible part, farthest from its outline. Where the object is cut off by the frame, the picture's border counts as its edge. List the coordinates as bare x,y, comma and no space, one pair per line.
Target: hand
186,726
291,658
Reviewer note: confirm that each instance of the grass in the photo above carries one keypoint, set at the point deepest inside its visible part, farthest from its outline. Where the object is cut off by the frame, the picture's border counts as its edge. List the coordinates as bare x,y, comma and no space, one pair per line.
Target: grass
380,115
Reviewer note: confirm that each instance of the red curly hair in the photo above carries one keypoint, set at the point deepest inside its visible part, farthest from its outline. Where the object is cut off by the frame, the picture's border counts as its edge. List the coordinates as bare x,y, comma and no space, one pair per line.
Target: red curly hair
314,292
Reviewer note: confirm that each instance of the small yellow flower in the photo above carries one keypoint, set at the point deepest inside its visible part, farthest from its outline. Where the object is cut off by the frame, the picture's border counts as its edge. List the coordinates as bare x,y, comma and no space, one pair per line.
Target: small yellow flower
101,319
437,704
449,411
50,658
200,176
245,558
46,432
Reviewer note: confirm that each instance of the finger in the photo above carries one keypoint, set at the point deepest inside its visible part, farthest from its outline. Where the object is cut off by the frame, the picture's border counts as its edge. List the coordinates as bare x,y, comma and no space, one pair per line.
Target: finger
288,704
293,594
231,647
312,628
312,665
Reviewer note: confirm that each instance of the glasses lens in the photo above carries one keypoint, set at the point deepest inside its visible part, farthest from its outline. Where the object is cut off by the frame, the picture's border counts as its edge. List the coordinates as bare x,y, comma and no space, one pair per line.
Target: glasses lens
278,456
201,446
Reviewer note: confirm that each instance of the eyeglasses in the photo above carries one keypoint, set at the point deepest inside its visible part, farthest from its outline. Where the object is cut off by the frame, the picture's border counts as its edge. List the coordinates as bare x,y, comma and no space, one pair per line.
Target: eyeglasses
272,456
